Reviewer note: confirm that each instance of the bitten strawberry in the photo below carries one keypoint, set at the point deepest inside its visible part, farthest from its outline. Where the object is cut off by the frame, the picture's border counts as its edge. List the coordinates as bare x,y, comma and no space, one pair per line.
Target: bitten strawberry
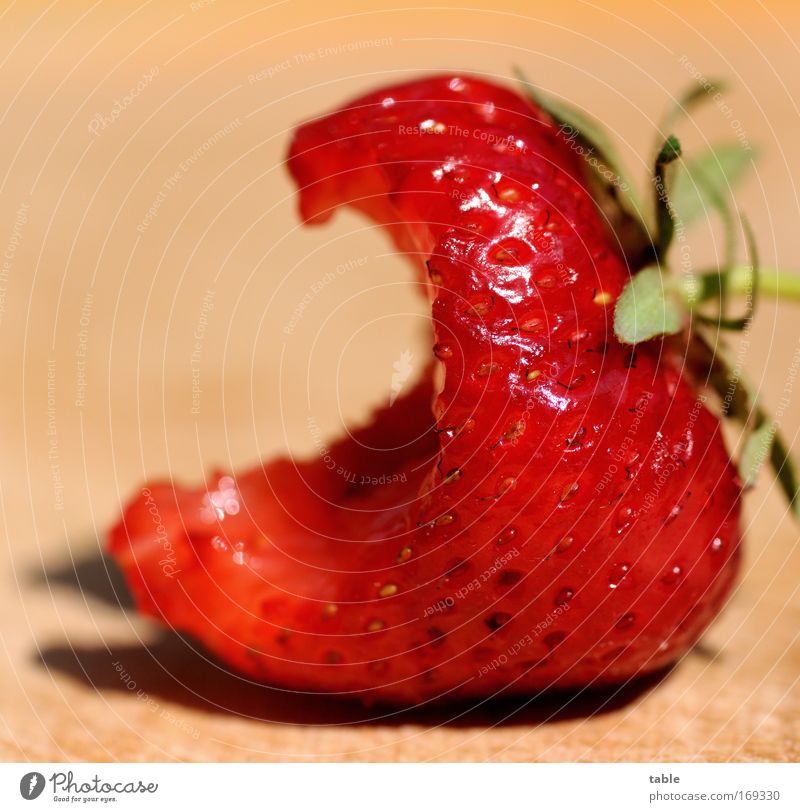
561,513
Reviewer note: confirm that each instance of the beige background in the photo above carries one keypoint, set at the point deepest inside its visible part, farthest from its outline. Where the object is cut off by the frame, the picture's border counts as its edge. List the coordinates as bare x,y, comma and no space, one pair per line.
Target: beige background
86,271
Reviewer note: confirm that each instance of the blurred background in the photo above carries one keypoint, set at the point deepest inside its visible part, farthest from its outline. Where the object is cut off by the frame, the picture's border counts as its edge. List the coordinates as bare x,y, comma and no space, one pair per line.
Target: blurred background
162,312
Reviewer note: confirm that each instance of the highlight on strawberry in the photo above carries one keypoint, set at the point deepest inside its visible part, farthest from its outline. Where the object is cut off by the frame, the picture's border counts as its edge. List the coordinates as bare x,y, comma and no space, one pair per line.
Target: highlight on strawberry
553,505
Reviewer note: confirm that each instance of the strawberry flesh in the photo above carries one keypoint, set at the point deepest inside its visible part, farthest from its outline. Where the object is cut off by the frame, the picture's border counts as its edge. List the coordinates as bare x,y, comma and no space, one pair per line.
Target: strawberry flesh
561,512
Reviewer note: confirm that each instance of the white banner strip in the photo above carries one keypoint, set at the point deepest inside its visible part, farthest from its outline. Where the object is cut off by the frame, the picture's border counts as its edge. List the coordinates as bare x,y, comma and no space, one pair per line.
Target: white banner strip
402,787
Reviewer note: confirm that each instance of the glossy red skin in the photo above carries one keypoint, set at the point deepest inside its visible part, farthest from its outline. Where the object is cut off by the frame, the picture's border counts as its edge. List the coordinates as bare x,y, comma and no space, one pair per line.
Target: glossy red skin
575,527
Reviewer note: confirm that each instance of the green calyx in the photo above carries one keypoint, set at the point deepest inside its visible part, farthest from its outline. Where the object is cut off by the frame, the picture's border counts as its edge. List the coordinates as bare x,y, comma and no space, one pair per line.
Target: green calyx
650,305
657,302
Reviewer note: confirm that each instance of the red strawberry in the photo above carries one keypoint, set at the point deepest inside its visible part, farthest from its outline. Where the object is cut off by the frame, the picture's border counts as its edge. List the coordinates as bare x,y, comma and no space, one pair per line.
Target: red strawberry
567,515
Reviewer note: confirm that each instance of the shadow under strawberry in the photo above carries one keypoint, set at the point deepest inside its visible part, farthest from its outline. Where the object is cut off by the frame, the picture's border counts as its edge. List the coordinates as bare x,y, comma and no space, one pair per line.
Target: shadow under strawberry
176,669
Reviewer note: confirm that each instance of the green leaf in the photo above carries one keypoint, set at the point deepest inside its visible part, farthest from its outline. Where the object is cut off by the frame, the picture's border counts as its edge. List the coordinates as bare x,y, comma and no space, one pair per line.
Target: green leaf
756,450
647,307
587,131
665,212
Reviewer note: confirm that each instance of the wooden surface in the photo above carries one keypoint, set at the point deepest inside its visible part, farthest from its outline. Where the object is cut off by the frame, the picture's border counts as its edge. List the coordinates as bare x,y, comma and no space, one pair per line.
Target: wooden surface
101,304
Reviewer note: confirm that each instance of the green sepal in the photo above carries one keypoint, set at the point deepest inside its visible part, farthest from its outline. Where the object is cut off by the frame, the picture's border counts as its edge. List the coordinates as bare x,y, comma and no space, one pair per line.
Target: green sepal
751,294
704,182
590,134
739,402
692,97
780,459
649,305
755,452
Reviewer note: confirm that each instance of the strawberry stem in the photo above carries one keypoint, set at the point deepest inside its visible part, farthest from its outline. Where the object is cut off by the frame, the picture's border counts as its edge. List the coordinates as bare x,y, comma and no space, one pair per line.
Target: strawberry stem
665,214
738,279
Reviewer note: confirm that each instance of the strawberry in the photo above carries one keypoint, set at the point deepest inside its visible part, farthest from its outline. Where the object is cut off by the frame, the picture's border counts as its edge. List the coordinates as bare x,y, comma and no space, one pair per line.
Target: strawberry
561,512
